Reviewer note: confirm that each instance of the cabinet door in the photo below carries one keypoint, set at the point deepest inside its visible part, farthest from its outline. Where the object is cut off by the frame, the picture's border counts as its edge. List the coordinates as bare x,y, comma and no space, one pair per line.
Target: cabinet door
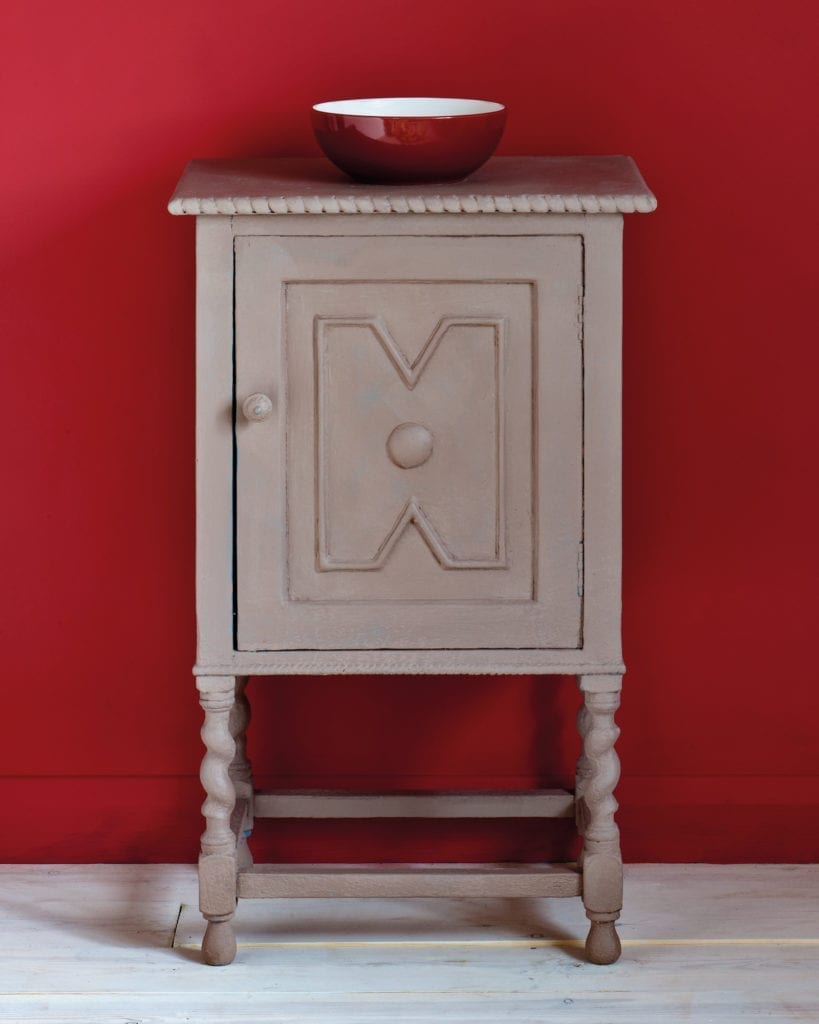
419,482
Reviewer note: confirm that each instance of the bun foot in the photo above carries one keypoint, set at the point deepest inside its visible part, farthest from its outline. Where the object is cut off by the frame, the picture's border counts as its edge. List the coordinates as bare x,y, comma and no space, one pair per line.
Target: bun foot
602,943
219,944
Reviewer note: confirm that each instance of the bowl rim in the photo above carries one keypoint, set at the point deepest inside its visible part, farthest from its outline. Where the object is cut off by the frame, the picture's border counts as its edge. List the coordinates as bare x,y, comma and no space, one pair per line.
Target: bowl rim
347,108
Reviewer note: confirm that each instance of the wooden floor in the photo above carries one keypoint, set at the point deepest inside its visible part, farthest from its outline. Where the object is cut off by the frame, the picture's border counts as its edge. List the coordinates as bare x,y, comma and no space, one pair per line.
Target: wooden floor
117,943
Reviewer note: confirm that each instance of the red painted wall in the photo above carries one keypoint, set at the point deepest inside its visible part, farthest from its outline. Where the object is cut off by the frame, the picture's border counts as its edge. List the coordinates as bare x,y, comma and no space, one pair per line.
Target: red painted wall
102,105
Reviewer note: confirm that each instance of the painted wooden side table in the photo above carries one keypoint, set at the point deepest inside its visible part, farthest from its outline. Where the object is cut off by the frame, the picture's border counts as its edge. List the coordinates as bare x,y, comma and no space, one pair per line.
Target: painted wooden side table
408,461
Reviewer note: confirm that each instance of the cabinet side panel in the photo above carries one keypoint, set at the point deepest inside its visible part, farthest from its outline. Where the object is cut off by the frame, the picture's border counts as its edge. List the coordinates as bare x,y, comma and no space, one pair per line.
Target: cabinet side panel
214,438
602,372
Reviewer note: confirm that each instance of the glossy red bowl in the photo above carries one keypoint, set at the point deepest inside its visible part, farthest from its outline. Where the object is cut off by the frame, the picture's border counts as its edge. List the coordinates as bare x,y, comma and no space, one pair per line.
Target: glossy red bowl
408,138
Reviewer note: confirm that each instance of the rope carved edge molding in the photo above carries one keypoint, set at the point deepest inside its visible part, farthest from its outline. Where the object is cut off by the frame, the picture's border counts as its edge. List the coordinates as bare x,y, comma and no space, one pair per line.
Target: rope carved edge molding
235,205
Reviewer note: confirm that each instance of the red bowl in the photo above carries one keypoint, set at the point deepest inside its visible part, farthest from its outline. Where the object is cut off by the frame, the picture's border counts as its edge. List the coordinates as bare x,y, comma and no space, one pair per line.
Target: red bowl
406,139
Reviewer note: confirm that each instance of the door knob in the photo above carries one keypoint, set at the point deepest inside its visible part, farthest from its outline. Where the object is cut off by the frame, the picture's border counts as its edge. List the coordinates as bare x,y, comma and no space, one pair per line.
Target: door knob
257,407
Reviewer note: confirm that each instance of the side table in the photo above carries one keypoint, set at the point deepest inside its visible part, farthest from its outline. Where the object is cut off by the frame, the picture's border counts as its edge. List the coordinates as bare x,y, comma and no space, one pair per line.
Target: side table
408,461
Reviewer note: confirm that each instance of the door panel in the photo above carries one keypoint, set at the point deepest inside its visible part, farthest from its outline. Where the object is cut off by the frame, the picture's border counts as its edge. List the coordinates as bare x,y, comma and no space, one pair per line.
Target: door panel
419,483
441,387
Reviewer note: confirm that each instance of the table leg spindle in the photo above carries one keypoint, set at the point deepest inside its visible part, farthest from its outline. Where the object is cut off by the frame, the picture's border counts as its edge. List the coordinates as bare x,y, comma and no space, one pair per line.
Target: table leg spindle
598,772
240,767
581,775
217,860
241,771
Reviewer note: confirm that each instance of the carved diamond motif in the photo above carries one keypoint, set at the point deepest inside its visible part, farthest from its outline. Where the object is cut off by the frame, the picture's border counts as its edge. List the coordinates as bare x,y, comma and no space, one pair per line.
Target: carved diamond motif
347,356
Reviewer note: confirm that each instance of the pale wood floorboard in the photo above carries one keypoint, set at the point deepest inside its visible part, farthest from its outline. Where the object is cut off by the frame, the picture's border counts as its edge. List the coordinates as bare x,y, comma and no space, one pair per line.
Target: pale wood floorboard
117,943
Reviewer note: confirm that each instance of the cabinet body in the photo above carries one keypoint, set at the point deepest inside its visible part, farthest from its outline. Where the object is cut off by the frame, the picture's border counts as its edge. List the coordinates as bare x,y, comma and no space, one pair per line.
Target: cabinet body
408,459
499,337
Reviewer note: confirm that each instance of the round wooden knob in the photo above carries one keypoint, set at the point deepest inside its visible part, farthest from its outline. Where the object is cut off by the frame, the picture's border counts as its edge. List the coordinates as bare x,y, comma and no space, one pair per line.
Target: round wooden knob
257,408
409,445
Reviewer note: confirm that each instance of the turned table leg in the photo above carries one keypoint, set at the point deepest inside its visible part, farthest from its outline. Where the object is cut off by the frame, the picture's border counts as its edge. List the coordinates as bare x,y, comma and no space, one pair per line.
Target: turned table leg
240,769
598,772
217,860
581,775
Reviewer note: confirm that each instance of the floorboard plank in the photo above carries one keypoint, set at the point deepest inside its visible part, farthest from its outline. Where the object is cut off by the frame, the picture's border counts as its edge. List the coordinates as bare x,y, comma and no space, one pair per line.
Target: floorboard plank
702,945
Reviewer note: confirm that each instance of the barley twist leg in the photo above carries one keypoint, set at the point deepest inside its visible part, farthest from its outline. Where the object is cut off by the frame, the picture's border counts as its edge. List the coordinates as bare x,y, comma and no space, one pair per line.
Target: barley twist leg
602,863
217,859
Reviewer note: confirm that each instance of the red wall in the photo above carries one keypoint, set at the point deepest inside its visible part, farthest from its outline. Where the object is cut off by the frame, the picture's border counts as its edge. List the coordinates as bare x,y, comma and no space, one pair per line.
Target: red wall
103,104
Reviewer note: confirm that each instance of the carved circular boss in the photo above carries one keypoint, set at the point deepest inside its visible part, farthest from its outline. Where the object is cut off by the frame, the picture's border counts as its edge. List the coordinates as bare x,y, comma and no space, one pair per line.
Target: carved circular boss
409,445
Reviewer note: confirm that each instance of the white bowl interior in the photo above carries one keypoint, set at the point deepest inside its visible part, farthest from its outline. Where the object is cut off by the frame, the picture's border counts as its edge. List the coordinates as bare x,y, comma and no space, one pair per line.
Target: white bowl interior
408,106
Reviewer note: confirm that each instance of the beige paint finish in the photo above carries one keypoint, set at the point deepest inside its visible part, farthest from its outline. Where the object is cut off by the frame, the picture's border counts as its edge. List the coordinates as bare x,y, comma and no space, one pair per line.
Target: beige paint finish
535,803
600,650
377,881
417,423
480,544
